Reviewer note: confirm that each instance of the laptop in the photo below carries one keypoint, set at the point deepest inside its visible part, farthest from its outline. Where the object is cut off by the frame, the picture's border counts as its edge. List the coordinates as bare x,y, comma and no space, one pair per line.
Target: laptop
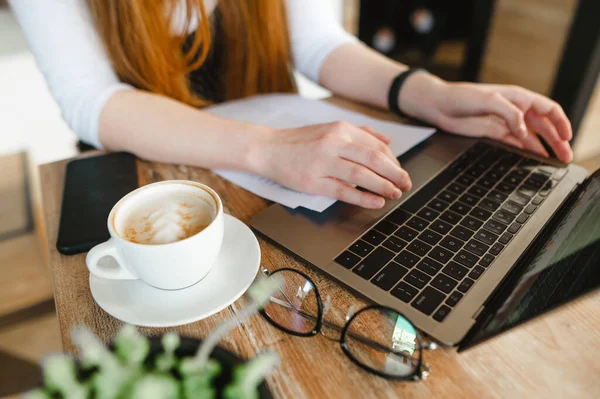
488,237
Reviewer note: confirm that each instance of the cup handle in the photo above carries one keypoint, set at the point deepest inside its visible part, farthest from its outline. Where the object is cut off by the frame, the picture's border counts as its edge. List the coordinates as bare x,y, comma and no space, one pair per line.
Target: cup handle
113,273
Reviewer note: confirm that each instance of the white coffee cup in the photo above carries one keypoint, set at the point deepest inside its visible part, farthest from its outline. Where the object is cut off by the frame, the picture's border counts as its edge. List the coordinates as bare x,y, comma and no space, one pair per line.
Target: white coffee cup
171,264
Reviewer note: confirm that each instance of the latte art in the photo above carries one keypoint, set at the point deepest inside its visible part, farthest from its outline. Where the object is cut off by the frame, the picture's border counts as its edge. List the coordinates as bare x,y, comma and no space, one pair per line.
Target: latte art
174,213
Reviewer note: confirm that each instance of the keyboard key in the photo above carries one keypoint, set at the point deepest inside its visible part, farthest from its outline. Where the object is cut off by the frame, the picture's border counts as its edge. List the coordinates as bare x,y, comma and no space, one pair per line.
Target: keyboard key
501,168
494,175
406,233
504,217
428,214
457,188
522,218
452,244
395,244
460,208
512,179
438,205
478,191
455,271
374,237
369,266
417,278
520,199
526,191
505,238
441,313
505,188
428,300
444,283
486,182
361,248
471,223
417,223
430,190
547,188
476,272
513,208
486,237
462,233
530,209
497,196
477,247
429,266
386,227
487,260
404,292
521,172
441,254
441,227
347,259
454,298
537,200
496,248
465,180
514,227
451,217
419,247
495,226
448,196
466,258
469,199
430,237
389,276
489,205
465,285
399,216
480,213
407,259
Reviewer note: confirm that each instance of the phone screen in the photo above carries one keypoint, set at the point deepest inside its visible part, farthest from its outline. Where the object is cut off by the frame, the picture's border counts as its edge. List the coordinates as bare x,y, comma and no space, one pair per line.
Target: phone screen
92,187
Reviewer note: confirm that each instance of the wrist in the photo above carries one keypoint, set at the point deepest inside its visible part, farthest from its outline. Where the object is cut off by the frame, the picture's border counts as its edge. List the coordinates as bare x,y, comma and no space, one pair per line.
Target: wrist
257,155
419,94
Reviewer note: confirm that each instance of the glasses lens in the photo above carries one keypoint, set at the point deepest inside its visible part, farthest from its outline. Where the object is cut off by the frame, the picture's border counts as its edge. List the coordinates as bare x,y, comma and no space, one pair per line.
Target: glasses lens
383,341
295,306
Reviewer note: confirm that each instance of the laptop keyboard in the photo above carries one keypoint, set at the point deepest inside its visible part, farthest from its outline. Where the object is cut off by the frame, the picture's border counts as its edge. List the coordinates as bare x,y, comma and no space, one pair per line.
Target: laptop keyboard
431,250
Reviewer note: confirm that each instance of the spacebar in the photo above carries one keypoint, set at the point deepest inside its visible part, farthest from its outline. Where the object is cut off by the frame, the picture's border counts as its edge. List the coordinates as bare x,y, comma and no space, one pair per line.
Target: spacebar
430,190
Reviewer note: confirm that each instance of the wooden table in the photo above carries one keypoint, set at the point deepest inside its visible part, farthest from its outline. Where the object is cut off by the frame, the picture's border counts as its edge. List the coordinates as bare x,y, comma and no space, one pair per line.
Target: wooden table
556,356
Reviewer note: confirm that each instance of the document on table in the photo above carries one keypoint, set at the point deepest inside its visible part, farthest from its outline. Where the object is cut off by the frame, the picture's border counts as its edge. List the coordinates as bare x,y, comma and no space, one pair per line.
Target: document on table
284,111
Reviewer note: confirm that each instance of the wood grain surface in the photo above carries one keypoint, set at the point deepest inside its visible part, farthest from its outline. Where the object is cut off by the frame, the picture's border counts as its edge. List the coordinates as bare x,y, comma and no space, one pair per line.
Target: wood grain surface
555,356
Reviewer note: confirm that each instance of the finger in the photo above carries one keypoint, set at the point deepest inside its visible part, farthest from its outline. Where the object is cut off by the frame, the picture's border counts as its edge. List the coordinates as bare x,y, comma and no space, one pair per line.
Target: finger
547,130
334,188
528,100
360,136
477,126
377,162
382,137
359,175
512,141
533,144
497,104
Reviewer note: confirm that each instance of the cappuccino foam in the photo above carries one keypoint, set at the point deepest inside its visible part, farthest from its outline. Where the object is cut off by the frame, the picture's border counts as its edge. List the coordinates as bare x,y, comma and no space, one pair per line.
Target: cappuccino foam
164,214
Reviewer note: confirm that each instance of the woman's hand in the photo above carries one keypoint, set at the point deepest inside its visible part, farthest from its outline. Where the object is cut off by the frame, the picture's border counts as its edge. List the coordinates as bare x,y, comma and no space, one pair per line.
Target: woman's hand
510,114
331,160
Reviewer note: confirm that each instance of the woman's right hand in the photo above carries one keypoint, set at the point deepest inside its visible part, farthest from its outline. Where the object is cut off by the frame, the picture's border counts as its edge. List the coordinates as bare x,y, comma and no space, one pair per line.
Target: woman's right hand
331,160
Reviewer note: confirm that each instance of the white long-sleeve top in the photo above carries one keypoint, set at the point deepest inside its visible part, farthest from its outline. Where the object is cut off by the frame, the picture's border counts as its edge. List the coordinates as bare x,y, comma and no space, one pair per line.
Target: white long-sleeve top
71,56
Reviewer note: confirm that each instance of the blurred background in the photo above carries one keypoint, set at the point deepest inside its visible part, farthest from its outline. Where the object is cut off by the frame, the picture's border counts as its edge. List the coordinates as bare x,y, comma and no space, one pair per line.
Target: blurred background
550,46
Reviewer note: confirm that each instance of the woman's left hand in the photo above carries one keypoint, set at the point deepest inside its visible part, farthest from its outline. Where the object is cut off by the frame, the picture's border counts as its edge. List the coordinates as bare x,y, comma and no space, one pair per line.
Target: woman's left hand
510,114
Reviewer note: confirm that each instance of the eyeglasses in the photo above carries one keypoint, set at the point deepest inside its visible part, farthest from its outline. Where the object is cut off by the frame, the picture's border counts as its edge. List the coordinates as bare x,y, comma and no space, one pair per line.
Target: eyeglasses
377,338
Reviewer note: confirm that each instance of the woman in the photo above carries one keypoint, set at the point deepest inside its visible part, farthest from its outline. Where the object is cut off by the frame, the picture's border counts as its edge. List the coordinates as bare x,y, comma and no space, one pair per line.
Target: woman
134,75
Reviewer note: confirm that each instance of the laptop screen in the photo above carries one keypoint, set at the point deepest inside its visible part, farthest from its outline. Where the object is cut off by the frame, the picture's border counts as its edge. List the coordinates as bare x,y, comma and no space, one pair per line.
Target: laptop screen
566,265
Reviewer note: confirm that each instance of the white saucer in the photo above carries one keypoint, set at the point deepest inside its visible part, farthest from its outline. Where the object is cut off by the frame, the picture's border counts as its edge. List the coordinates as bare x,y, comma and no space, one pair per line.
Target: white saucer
140,304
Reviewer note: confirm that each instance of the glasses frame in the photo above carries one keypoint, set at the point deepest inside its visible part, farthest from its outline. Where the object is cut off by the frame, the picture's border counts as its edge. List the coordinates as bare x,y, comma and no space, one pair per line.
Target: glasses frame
421,369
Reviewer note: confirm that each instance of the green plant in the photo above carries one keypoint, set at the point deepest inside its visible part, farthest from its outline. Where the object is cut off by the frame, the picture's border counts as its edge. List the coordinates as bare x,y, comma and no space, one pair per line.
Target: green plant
128,370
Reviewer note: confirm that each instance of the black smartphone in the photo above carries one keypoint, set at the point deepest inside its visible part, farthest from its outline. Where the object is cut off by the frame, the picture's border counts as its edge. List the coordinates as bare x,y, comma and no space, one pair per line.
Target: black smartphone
92,187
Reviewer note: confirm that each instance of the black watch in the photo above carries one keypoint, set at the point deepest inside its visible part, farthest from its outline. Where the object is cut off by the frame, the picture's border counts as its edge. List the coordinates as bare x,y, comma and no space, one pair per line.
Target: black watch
394,93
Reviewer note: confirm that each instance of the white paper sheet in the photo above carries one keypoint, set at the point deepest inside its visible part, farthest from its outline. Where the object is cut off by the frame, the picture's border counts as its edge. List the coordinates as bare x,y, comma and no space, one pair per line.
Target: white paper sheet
289,111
